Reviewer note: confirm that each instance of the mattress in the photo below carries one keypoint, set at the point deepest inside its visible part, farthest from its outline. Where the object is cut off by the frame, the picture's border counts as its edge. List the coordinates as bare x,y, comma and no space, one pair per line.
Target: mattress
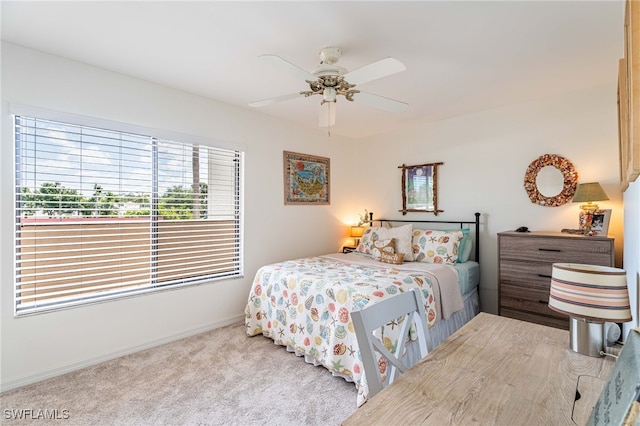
468,275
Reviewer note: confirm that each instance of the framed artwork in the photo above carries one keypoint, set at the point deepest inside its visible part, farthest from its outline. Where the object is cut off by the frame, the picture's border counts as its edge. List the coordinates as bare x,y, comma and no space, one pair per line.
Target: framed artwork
420,188
600,222
306,179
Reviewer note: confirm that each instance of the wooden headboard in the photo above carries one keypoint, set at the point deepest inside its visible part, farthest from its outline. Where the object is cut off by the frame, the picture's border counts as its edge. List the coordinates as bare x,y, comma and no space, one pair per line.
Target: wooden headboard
460,223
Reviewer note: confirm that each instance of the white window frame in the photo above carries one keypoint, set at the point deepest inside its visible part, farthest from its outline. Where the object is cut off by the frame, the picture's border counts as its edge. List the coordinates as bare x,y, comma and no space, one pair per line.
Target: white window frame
207,144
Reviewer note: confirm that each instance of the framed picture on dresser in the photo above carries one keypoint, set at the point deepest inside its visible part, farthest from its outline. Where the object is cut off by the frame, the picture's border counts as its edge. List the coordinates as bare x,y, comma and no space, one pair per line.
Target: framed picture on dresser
600,222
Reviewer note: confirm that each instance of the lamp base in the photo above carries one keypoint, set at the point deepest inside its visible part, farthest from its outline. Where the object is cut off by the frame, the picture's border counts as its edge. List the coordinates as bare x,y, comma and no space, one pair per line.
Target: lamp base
587,337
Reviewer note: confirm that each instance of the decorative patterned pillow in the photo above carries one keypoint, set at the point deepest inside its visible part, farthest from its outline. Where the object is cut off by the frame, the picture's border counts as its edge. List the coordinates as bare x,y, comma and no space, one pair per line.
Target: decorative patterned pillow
383,246
464,248
434,246
401,234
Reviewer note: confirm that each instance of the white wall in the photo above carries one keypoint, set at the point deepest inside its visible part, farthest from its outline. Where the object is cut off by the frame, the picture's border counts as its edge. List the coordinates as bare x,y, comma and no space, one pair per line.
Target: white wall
485,157
632,250
43,345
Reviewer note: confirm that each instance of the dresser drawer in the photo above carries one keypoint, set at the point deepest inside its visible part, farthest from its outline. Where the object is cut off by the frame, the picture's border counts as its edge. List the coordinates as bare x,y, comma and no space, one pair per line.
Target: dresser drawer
527,299
526,274
579,250
530,305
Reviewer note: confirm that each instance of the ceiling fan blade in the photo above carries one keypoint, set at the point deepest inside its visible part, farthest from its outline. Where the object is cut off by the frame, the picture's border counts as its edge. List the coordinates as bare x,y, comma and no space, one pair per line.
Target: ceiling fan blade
275,100
374,71
288,66
377,101
327,115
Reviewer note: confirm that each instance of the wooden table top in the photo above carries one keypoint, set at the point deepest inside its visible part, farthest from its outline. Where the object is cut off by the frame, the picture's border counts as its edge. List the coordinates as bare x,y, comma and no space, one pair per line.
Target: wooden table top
493,371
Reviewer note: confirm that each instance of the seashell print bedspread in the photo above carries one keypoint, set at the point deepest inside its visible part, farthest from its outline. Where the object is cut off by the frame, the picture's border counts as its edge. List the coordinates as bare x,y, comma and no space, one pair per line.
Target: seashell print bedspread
305,304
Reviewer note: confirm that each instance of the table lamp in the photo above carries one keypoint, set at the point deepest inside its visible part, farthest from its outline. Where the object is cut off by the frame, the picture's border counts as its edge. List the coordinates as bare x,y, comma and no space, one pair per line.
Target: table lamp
356,234
590,295
587,193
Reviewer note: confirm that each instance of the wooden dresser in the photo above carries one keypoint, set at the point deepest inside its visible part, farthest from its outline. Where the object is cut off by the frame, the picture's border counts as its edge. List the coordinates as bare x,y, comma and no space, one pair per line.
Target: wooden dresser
524,270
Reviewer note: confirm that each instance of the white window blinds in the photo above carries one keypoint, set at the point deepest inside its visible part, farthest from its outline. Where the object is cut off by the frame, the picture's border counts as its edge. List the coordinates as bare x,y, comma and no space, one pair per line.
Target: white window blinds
102,214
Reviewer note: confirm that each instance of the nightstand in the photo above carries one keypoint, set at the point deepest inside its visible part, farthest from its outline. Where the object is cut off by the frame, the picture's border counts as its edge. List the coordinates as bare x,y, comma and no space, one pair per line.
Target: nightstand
348,249
524,270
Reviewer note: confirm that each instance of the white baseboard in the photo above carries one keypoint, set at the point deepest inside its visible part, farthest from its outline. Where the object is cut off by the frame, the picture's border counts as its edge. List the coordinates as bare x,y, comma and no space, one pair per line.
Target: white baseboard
13,384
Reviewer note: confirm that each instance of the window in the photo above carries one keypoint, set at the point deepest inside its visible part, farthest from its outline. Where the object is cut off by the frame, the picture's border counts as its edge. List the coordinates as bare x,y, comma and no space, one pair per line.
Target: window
102,214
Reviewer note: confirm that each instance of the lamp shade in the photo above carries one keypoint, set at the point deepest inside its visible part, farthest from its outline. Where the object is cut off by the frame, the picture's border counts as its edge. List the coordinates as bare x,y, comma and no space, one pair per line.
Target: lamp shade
357,231
591,191
590,291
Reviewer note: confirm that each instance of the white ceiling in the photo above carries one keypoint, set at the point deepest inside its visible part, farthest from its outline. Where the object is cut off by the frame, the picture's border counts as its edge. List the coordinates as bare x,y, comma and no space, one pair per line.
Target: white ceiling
461,57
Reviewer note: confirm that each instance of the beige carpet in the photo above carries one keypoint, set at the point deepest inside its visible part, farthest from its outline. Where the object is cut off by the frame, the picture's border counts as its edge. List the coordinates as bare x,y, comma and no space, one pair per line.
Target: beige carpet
221,377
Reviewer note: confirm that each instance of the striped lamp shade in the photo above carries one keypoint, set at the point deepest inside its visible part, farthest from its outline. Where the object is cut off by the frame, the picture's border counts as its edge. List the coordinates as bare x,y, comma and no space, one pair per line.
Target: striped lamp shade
590,291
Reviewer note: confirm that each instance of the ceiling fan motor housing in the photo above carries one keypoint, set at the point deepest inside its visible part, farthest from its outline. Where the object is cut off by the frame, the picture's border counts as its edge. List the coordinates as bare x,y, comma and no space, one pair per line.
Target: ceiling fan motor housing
330,55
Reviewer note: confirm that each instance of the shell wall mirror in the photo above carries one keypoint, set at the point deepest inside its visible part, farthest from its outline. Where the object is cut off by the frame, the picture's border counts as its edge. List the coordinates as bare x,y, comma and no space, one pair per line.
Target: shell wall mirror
551,180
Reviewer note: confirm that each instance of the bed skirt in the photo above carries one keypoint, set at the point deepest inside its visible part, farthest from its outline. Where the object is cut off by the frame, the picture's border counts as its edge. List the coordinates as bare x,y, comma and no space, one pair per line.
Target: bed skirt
445,328
438,333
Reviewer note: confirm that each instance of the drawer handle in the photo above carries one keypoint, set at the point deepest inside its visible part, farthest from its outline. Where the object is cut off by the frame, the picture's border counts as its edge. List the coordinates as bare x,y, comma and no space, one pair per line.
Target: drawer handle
543,301
545,249
544,276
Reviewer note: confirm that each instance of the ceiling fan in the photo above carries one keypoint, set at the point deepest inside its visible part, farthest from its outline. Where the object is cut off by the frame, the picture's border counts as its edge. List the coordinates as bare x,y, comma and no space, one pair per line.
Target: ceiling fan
330,80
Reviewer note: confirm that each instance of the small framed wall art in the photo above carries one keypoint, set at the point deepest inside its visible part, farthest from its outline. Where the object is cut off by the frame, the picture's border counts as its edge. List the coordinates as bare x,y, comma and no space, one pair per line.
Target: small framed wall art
306,179
420,188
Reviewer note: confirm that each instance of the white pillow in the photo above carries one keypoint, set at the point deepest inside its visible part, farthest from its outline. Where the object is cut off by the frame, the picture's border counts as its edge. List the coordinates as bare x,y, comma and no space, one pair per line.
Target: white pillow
401,234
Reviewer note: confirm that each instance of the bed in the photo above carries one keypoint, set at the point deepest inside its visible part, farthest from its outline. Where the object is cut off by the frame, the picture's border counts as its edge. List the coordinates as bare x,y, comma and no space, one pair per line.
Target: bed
305,304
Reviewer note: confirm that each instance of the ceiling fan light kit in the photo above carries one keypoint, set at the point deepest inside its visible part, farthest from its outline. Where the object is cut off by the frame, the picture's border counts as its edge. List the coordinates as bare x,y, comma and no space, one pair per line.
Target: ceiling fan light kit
327,116
329,94
330,81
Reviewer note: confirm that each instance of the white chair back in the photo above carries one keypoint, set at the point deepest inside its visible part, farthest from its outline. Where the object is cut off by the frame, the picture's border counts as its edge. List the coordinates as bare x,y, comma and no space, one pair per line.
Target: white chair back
376,315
